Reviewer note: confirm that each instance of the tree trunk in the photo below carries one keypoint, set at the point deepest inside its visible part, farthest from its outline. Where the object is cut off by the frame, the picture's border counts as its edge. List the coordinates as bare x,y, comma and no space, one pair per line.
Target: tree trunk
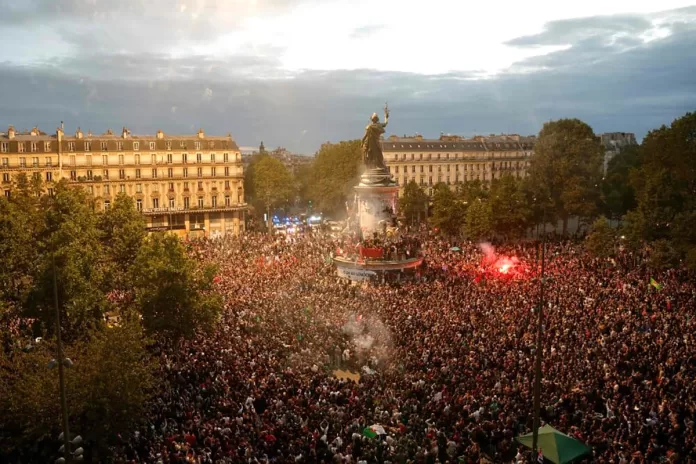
565,225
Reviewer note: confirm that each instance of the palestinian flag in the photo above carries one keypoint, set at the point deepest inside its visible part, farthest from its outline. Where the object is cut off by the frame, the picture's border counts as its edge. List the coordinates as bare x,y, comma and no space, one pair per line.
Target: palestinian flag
654,283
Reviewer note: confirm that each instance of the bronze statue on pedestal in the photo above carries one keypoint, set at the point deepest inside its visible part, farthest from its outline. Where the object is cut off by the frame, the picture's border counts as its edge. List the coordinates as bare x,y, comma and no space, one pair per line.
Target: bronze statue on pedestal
372,144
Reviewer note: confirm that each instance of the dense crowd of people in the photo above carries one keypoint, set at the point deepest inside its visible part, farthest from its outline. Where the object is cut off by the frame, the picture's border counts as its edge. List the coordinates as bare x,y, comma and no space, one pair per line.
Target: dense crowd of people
445,363
391,249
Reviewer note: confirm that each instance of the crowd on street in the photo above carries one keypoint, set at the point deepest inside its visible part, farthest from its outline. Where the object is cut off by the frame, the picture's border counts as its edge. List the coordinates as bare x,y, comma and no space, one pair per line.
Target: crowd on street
445,362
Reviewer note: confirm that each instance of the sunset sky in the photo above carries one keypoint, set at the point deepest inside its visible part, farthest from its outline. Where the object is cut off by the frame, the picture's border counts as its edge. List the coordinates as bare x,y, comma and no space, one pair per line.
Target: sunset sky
298,73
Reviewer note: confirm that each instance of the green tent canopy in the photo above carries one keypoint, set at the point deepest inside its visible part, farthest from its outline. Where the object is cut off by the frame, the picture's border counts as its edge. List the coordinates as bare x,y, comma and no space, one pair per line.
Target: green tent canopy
557,447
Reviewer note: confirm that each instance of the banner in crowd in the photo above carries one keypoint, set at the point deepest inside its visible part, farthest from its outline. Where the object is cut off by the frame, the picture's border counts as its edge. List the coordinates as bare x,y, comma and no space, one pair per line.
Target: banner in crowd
355,274
374,253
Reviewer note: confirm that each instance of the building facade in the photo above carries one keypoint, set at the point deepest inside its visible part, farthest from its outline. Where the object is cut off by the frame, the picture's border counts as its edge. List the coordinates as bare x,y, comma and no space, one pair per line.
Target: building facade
452,159
613,143
192,185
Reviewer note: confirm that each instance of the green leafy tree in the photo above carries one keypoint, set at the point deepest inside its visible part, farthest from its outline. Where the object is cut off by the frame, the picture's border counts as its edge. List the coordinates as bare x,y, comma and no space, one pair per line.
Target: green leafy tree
107,389
413,203
274,185
172,293
21,225
471,190
70,243
602,238
509,207
617,192
665,185
122,232
567,164
448,211
479,223
334,173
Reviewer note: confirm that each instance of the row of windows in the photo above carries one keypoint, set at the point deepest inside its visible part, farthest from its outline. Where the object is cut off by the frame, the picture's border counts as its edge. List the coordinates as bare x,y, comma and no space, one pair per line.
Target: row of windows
34,146
36,175
466,167
90,175
200,203
454,156
121,159
466,177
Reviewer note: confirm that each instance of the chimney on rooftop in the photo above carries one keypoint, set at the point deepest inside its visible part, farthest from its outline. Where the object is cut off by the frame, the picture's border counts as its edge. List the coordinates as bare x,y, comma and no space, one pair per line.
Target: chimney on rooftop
11,132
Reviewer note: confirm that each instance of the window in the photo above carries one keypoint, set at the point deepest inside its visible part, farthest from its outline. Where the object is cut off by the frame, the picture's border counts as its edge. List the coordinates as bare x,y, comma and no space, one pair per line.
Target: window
20,147
73,175
121,173
89,175
35,162
50,191
182,144
396,169
169,146
153,159
136,145
121,159
212,172
169,157
37,176
212,157
200,185
105,160
200,172
138,188
185,172
225,157
227,185
4,146
137,173
139,205
171,186
197,145
200,202
7,193
154,173
170,172
5,162
5,176
22,162
34,147
186,202
119,146
106,174
184,158
155,203
227,171
103,146
88,159
71,146
199,157
47,146
152,145
106,189
213,201
227,200
88,146
137,159
122,188
185,185
172,203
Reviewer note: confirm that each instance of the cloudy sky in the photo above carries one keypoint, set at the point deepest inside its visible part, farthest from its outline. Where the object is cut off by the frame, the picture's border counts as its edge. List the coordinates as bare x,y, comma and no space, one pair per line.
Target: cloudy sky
297,73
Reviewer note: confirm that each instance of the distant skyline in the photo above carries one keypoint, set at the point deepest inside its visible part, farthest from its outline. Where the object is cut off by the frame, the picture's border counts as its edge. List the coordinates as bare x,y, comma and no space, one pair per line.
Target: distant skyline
298,73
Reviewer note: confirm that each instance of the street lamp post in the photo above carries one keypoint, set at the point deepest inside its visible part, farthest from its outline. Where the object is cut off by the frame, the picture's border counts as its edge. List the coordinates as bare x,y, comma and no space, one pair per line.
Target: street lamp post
539,347
61,367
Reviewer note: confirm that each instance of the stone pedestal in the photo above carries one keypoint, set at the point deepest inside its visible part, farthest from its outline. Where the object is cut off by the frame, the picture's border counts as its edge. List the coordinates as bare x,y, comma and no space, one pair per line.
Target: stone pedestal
377,195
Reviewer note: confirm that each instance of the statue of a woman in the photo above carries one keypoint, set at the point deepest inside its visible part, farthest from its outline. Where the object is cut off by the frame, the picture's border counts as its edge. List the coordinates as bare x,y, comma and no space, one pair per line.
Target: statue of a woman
371,142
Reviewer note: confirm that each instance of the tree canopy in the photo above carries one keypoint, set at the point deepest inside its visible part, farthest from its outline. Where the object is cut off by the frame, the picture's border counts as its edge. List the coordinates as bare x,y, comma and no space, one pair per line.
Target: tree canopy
448,211
567,164
334,173
413,203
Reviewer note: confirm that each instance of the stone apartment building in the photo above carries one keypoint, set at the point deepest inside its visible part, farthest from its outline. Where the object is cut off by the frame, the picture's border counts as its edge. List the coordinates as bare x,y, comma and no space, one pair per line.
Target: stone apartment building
189,184
452,159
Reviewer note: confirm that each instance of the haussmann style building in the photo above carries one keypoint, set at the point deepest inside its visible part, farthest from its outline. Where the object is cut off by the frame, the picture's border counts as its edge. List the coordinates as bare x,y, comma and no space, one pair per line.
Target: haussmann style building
453,159
189,184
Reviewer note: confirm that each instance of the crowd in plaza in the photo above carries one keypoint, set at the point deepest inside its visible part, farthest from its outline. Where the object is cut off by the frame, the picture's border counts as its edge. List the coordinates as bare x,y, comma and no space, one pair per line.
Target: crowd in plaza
446,362
390,249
